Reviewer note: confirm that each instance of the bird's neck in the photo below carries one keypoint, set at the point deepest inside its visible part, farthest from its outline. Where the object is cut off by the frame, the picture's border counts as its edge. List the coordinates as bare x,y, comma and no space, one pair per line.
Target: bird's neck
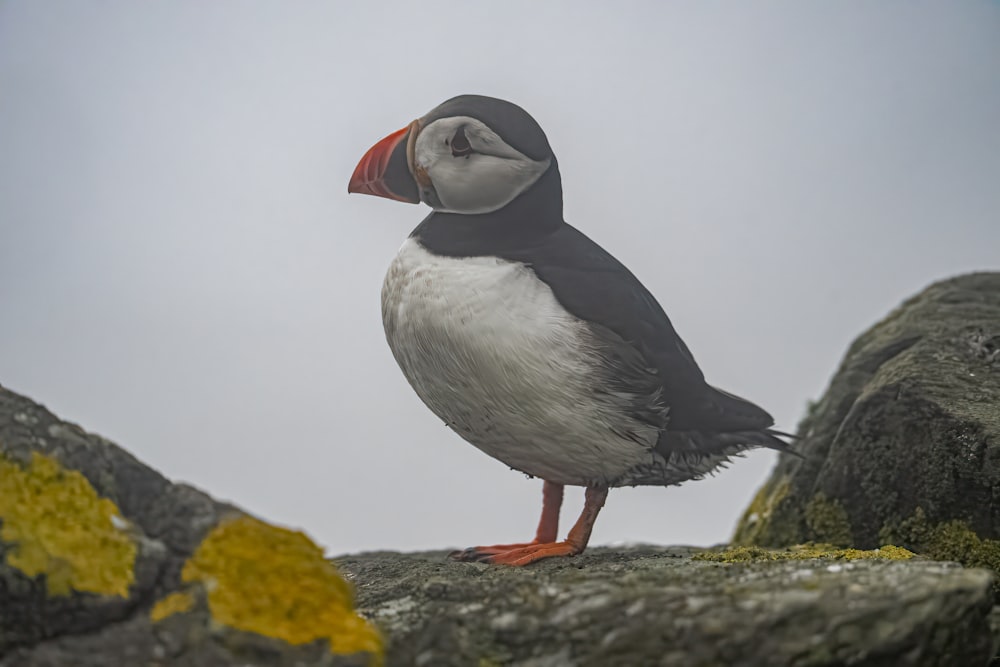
524,222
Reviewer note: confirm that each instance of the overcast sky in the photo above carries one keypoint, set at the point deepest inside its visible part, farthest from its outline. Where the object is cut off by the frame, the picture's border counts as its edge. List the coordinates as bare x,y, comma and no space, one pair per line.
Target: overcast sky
182,270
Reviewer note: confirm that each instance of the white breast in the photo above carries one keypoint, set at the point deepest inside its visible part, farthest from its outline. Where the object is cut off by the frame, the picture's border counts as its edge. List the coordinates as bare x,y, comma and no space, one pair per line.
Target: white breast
487,347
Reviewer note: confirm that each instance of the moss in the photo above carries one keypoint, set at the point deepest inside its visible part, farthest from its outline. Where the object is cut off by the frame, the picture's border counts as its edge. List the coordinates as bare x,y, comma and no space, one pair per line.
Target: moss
276,582
827,520
59,527
741,554
175,603
949,540
757,518
891,552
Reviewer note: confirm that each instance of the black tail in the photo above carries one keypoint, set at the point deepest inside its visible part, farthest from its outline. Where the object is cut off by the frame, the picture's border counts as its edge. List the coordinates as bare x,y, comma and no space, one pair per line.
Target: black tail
769,438
719,423
714,410
724,443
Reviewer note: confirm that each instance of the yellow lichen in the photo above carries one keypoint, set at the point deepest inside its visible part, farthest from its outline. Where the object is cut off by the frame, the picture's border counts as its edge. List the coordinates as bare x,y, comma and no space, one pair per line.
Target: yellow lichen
175,603
950,540
827,521
55,524
802,552
276,582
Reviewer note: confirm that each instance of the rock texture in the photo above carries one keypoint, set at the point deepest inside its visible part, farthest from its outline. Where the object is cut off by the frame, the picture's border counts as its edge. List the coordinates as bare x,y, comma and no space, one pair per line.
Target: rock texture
904,447
651,606
105,562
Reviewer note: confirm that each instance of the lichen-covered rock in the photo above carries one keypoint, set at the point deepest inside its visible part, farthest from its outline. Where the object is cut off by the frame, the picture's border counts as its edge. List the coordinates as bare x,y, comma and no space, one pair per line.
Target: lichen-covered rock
660,606
105,562
904,447
744,554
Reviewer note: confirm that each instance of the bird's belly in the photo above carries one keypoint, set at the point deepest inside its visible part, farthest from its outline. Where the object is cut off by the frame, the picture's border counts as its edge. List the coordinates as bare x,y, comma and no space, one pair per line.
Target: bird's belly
487,347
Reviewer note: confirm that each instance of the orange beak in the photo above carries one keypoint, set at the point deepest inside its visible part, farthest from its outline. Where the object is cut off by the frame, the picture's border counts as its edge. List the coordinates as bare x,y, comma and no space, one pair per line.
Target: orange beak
386,169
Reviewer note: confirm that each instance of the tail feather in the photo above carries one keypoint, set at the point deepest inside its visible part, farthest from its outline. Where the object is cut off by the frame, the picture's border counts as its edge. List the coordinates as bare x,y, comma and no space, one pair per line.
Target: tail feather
724,443
719,410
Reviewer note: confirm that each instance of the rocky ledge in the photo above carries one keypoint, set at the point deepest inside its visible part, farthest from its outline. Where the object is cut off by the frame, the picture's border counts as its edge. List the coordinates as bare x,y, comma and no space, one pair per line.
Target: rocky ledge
678,606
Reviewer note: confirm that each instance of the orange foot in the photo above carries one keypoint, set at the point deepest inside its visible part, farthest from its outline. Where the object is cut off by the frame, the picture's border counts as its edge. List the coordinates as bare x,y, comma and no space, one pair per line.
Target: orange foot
544,544
534,552
481,554
548,529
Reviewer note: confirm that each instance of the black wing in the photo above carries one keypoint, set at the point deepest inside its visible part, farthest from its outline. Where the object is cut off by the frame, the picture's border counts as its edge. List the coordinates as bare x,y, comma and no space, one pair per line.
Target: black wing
597,288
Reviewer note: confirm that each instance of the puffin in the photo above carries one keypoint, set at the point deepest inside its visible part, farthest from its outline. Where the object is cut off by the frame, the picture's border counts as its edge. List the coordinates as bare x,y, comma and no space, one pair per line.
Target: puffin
527,338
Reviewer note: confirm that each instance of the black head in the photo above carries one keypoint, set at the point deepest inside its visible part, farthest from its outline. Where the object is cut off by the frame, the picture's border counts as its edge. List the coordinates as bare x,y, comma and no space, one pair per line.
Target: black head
471,155
506,119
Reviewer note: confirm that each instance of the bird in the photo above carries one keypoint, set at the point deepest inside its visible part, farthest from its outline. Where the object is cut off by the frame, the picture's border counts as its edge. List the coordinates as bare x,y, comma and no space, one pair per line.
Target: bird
527,338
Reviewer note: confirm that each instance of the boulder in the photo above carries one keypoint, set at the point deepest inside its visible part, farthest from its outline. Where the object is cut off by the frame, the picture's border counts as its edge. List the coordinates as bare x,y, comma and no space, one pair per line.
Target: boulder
103,561
904,447
676,607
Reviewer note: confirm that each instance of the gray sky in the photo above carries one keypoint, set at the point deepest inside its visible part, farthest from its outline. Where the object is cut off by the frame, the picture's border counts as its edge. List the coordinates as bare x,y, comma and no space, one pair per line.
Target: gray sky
182,271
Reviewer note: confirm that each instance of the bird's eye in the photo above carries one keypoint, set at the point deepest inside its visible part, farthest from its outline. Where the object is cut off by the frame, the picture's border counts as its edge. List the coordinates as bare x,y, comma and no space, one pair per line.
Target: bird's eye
460,144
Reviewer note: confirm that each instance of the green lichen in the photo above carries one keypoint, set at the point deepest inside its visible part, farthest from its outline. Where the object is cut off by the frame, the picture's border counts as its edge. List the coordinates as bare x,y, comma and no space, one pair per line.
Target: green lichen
56,525
744,554
276,582
949,540
757,519
827,521
175,603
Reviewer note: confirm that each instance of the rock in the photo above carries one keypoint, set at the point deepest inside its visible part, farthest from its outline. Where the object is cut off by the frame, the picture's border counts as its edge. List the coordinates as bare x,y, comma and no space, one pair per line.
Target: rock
103,561
660,606
904,447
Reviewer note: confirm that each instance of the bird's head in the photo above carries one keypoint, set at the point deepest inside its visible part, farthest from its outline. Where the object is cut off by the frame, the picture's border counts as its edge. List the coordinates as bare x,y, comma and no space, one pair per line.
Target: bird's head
469,155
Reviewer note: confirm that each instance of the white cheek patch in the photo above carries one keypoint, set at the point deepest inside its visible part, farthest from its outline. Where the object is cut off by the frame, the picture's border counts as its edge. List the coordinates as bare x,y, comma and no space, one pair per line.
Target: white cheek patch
484,183
486,180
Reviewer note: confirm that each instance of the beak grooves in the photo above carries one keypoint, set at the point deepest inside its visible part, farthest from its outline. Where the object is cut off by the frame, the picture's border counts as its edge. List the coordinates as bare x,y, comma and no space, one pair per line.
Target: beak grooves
380,173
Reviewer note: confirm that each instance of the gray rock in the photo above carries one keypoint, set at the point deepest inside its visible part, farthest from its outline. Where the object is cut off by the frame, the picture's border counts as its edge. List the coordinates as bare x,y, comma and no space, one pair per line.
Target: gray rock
904,447
657,606
94,544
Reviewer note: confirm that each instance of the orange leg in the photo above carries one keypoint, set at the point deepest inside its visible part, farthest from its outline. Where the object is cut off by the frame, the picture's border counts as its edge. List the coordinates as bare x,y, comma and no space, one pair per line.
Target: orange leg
574,543
548,528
